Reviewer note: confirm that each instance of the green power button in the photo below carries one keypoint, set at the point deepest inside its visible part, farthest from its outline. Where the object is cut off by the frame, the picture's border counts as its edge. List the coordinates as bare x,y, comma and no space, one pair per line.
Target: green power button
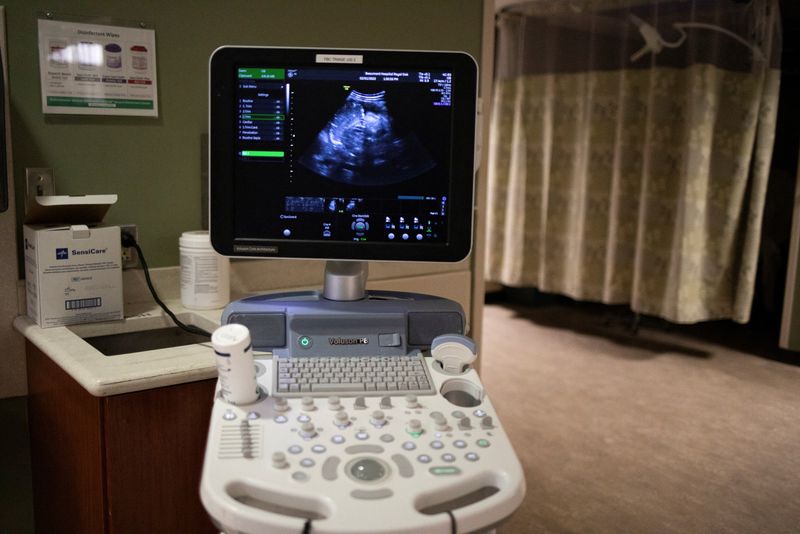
304,342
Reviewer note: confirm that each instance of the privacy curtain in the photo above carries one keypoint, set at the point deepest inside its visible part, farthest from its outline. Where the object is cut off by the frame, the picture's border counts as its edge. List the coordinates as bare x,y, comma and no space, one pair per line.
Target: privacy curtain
630,150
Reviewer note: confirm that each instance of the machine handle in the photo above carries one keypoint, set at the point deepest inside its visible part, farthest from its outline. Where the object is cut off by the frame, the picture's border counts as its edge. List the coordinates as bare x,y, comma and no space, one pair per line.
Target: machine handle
498,504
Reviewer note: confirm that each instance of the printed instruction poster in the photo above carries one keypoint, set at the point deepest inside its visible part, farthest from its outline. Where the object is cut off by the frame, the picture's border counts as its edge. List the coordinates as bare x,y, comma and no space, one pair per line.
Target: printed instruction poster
91,69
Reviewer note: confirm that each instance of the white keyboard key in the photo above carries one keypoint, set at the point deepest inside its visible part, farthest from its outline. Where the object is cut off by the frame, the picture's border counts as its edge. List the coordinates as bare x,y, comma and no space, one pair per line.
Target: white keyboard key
333,388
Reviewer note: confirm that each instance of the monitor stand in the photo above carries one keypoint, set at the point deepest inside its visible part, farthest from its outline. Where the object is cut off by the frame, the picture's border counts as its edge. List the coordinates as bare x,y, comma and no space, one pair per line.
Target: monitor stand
345,280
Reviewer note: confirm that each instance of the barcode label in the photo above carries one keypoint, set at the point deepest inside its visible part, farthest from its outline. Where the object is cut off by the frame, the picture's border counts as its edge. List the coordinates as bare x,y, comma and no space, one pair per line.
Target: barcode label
80,304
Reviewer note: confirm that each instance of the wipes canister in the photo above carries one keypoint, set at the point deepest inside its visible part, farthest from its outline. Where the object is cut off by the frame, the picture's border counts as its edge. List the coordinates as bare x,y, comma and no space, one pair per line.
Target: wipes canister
205,275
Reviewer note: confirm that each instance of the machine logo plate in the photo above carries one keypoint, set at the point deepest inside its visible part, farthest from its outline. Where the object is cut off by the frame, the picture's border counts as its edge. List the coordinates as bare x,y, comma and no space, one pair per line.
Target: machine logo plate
348,341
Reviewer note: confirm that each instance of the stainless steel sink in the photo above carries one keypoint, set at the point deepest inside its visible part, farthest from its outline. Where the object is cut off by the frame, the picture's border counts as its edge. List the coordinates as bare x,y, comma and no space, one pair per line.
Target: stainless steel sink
130,342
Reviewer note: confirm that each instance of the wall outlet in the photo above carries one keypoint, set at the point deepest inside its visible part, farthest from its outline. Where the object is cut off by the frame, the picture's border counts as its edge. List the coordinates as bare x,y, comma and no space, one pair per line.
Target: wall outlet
130,259
39,182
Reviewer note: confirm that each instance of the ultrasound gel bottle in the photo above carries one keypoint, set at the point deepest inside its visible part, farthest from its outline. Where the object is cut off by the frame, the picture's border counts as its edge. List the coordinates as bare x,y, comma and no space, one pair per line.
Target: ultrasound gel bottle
237,372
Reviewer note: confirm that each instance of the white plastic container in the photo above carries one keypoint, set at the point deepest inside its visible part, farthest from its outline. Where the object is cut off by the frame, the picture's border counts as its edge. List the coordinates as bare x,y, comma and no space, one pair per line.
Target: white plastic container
205,275
237,372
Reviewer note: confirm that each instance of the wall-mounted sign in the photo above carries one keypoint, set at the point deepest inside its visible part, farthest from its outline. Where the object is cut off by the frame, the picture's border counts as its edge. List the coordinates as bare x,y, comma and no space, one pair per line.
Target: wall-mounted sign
92,69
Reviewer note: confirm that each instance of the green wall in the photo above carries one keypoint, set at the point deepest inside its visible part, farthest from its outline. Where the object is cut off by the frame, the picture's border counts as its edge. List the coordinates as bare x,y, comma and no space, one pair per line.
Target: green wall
154,164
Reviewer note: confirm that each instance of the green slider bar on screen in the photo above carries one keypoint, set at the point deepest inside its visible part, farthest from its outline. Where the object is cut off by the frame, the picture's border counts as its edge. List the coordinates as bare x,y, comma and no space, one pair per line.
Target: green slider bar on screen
262,74
262,116
262,153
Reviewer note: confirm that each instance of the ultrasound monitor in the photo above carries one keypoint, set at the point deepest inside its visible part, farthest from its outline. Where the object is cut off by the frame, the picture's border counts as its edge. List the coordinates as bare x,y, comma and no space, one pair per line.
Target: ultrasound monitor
342,154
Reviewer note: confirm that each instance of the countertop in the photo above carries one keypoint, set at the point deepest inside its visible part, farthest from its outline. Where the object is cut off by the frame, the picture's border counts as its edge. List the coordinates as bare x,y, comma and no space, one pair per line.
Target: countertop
103,375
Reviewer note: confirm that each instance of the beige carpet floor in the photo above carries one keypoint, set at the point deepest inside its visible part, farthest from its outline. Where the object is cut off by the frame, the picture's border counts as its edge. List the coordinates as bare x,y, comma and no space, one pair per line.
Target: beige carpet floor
654,432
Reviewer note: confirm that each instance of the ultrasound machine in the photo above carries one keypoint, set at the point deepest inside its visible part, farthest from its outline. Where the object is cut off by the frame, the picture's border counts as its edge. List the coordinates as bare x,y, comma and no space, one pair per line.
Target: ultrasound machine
360,412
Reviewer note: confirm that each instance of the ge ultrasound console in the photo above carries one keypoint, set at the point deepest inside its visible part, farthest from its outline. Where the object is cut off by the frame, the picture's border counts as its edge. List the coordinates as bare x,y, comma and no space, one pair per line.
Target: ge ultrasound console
365,416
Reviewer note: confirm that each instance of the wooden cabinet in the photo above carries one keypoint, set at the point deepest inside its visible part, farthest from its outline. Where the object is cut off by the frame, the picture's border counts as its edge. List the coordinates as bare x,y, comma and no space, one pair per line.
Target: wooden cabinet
125,463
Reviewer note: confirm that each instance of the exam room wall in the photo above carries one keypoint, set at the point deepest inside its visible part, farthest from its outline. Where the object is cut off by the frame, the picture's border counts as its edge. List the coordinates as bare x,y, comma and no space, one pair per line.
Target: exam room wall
154,165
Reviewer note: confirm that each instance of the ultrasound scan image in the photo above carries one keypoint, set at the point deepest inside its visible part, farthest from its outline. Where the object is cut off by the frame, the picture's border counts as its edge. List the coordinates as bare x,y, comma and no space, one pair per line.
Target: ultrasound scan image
360,146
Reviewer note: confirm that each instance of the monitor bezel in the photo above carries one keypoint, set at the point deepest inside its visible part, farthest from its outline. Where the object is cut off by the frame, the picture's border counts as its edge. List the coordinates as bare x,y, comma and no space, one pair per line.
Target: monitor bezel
222,67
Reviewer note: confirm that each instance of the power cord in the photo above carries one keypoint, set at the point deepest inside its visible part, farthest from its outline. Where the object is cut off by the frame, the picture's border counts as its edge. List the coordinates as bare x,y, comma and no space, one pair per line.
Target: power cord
129,241
453,525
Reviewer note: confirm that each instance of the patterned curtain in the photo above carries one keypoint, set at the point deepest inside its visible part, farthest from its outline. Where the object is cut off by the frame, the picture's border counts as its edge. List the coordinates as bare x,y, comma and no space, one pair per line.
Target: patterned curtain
630,150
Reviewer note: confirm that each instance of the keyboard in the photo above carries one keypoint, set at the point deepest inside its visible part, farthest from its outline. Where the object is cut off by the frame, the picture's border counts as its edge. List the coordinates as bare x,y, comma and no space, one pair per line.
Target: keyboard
356,375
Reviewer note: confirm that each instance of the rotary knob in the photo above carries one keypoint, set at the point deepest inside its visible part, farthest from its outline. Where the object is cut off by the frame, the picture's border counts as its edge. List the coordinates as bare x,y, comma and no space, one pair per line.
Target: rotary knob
441,422
307,430
279,460
378,419
360,403
307,404
386,402
334,403
464,423
414,427
411,401
487,422
281,404
341,419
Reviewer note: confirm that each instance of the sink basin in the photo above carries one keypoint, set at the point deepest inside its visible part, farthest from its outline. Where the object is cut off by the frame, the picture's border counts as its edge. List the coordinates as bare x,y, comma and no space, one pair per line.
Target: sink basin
129,342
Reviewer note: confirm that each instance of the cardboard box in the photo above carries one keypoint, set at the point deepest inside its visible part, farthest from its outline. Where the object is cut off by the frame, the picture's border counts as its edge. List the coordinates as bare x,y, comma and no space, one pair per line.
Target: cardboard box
73,273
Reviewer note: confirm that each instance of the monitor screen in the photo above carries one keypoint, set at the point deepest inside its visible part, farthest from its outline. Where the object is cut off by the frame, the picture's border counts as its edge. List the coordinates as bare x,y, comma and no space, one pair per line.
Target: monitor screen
342,154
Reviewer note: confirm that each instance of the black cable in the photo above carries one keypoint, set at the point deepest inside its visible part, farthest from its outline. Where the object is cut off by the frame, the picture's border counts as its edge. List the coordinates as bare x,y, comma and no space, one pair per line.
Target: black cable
307,527
129,241
453,527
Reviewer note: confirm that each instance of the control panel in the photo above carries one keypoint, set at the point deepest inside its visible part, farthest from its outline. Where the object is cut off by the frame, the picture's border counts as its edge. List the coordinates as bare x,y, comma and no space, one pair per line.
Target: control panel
435,463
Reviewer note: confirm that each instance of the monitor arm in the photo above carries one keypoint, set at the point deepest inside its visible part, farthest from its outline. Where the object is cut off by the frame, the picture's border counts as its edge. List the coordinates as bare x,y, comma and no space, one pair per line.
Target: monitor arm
345,280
